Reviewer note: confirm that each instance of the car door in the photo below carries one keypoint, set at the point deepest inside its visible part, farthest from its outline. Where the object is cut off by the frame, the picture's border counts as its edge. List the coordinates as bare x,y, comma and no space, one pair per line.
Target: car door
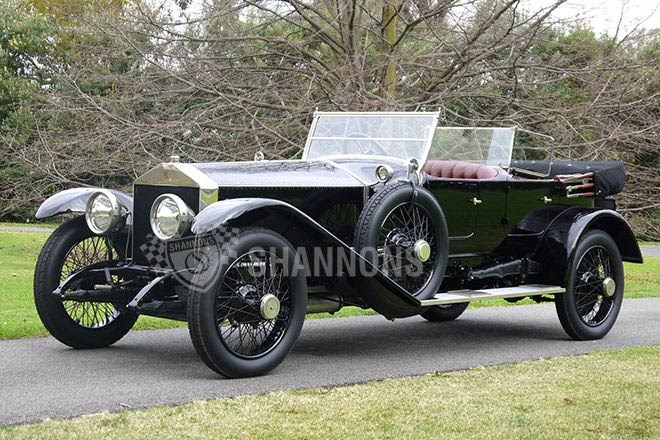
523,198
490,229
460,204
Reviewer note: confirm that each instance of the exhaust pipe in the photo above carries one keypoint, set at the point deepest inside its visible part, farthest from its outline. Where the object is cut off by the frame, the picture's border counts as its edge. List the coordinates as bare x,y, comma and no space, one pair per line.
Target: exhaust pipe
325,304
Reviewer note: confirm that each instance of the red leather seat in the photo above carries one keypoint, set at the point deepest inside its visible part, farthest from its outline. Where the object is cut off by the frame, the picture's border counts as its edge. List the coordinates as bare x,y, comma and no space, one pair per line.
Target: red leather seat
451,169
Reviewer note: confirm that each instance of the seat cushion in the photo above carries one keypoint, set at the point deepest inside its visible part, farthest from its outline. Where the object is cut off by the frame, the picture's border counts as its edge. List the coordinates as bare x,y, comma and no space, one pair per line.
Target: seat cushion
451,169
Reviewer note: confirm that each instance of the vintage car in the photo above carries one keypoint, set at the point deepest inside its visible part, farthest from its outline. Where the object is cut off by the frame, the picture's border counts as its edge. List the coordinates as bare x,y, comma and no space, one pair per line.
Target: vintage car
385,211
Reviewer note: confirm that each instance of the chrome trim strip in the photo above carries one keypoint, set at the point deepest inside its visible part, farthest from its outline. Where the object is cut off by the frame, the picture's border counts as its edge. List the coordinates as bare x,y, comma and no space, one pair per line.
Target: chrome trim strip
461,237
468,255
403,114
347,171
343,138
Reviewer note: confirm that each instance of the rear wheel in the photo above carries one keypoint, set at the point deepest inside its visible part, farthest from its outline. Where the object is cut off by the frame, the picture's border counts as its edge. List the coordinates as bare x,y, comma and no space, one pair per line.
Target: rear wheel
247,321
77,324
594,288
443,313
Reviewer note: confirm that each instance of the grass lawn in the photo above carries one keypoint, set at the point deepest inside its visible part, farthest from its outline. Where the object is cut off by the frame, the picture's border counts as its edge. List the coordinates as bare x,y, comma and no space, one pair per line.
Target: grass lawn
18,317
607,394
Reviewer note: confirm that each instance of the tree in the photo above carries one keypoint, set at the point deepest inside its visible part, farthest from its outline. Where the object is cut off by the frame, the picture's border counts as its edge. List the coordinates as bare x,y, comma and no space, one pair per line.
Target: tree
141,82
23,40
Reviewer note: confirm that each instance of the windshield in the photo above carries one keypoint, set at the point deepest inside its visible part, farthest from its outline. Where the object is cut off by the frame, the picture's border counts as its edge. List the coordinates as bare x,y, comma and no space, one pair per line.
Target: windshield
485,146
402,135
405,135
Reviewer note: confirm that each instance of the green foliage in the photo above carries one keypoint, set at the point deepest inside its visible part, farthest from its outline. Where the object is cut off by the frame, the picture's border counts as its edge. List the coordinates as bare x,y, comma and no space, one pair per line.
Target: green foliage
24,37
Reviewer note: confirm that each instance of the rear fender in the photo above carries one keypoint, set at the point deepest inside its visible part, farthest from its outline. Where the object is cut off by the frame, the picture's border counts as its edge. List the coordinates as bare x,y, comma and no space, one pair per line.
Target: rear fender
293,224
75,200
615,225
559,241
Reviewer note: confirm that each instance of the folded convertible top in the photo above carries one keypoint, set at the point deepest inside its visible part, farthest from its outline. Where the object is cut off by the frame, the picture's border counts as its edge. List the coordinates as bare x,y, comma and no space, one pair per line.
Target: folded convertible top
609,176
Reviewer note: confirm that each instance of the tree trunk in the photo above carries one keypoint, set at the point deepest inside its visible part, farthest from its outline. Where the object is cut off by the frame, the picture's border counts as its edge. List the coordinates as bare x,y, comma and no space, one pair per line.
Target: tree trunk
389,37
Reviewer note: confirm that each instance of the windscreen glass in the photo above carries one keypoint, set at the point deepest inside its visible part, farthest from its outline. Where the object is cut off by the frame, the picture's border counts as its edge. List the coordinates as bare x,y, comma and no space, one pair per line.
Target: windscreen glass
485,146
400,135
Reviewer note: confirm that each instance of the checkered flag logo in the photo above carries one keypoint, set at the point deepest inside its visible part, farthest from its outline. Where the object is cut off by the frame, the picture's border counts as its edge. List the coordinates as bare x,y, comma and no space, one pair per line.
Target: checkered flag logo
226,240
155,251
196,260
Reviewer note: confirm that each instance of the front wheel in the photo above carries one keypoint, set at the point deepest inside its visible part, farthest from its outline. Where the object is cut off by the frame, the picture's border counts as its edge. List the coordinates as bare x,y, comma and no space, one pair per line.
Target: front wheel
78,324
594,288
248,320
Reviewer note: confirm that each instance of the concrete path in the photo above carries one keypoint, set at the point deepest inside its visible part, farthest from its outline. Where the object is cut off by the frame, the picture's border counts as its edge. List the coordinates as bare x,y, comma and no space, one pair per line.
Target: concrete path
25,229
650,250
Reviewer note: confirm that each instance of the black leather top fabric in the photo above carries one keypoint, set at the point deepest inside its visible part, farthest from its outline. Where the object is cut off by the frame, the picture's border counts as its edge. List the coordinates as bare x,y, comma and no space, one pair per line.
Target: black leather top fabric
609,176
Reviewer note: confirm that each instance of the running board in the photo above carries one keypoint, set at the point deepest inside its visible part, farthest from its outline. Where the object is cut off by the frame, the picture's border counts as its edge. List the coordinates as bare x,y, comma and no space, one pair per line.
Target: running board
461,296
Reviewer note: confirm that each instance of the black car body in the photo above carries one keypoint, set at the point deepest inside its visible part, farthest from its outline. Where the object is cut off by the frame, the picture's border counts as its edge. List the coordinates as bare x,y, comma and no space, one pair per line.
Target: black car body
389,211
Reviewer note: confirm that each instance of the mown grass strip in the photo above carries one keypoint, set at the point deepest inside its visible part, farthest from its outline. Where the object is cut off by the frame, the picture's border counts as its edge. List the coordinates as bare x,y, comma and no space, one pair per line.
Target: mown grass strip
611,394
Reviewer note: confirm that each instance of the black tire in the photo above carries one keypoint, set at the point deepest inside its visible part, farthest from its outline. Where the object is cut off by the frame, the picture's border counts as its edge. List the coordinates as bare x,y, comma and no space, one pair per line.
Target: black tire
371,227
444,313
223,300
584,311
53,311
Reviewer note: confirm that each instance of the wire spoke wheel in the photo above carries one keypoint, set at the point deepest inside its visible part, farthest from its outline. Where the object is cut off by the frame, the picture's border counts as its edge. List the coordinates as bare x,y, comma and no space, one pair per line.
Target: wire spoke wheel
78,324
248,284
246,322
340,218
402,231
594,288
88,314
404,226
592,305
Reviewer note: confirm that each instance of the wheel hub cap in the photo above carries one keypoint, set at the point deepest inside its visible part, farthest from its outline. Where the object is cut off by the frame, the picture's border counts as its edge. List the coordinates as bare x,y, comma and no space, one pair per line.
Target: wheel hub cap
269,307
609,287
422,250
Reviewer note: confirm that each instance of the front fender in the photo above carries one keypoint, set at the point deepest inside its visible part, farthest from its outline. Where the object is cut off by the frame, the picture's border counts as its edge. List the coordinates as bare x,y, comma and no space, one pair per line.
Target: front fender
75,200
219,213
224,211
